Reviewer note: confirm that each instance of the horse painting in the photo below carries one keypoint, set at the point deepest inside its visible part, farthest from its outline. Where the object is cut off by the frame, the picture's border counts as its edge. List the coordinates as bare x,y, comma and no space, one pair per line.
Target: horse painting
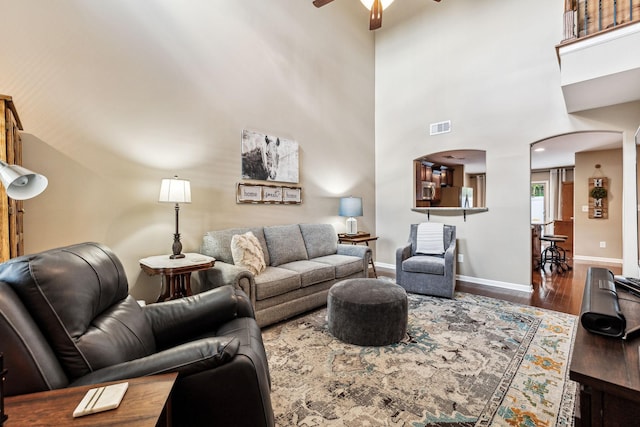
262,162
269,158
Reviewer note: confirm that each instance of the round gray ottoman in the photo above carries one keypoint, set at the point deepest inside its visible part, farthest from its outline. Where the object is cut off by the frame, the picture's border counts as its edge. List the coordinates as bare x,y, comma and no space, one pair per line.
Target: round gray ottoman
367,312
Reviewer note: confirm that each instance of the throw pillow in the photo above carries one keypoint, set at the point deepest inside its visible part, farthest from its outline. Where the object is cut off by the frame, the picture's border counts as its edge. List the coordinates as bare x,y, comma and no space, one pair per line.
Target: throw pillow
247,252
430,238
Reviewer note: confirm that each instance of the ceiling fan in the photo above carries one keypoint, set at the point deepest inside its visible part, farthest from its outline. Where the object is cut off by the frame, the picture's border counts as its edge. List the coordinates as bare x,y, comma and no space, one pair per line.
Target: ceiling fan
375,6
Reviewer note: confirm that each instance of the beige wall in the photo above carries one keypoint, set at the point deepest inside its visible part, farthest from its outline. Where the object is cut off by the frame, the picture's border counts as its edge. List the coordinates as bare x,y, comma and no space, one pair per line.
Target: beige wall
496,77
114,96
588,233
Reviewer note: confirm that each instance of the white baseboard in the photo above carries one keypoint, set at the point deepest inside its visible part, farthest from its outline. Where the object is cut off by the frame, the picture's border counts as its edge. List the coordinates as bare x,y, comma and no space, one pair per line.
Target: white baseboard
596,259
493,283
496,284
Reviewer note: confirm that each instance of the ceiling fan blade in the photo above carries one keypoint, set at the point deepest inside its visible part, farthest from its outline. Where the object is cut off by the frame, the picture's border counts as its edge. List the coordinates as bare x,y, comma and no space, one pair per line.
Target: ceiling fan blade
375,17
320,3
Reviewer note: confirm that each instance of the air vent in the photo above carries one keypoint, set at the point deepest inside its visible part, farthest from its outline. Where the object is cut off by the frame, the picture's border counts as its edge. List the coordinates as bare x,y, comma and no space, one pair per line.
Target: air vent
440,127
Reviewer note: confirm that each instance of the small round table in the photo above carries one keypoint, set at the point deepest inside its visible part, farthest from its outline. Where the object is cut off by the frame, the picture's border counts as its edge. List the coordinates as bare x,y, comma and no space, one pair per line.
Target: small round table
367,312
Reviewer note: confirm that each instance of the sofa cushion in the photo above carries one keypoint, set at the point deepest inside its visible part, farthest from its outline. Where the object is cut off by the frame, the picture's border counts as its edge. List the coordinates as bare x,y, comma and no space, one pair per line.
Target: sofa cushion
285,244
276,281
311,272
218,243
247,252
424,264
345,265
319,239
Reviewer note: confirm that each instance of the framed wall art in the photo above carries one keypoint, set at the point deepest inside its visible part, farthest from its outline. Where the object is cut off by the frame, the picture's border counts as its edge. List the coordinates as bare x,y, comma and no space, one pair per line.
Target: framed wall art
268,194
292,194
269,158
249,193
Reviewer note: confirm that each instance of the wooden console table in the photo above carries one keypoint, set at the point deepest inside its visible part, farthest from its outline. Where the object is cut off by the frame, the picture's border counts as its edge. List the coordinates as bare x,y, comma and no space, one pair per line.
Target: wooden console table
355,239
608,372
176,273
146,403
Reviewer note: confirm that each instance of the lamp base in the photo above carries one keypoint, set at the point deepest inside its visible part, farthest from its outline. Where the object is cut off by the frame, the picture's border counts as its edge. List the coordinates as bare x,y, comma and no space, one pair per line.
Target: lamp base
352,226
176,248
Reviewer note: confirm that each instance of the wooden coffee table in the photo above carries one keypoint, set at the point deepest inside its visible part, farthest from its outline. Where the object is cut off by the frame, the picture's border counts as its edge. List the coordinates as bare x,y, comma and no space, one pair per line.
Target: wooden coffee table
146,403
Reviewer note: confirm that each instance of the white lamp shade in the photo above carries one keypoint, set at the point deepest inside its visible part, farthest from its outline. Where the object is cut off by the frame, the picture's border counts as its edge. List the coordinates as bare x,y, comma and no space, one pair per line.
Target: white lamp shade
369,3
21,183
174,190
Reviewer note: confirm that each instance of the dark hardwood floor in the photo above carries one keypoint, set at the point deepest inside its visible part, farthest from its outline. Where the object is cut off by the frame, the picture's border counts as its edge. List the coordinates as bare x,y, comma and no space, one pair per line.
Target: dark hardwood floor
551,290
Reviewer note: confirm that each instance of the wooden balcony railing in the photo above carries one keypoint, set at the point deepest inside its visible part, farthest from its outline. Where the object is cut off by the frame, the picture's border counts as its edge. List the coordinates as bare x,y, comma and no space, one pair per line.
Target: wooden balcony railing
584,18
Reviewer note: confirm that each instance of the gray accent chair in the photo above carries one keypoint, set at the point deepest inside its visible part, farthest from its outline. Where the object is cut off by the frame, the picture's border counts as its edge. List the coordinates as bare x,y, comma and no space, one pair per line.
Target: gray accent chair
428,274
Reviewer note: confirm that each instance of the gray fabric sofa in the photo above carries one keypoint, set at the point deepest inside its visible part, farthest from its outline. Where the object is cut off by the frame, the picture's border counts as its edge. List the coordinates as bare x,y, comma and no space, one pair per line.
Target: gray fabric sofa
303,261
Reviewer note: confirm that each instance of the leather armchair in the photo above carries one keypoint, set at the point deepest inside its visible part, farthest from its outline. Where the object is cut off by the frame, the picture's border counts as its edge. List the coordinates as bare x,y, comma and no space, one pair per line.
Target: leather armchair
66,319
428,274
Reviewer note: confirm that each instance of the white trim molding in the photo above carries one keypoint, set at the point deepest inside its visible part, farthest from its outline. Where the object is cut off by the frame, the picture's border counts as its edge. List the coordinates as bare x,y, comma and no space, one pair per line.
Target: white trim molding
595,259
493,283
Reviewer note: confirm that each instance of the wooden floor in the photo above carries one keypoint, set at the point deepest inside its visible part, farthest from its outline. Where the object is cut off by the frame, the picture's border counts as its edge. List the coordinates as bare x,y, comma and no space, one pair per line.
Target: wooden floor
551,290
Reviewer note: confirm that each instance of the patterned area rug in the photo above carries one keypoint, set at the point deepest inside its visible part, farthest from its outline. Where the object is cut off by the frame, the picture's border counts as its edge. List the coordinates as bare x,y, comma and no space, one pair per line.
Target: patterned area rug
470,361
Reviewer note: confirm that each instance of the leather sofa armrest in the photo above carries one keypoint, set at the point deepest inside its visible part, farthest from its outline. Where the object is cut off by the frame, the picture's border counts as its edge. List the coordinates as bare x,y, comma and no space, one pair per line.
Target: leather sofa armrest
178,320
187,359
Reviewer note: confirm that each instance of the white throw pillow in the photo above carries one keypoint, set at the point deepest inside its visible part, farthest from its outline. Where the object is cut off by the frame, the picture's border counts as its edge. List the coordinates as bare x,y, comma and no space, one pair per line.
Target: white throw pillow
430,238
247,252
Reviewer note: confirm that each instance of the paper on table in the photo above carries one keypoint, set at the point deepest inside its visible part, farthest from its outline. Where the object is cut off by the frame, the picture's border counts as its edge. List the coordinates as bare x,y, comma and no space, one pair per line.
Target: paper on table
101,399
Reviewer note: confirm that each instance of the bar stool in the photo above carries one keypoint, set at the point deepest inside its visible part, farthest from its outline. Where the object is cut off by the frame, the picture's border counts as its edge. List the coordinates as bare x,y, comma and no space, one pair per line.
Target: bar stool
554,254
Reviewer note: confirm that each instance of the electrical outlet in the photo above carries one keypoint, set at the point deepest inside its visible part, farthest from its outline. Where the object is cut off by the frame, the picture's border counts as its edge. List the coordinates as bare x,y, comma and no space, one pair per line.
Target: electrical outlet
460,257
603,244
585,208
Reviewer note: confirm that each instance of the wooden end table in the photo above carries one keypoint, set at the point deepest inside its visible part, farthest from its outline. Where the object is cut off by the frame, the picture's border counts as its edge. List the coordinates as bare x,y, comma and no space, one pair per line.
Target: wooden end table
176,273
355,239
147,402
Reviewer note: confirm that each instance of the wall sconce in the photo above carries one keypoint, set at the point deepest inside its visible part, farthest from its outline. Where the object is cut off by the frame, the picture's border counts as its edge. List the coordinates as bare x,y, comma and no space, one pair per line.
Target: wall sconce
351,207
21,183
174,190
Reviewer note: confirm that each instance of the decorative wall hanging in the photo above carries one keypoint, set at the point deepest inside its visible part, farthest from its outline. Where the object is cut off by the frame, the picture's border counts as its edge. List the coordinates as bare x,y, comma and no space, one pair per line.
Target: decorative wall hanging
269,158
598,193
268,194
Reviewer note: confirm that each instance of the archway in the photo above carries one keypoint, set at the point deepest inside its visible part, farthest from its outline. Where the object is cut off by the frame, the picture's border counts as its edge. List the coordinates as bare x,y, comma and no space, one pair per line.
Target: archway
566,163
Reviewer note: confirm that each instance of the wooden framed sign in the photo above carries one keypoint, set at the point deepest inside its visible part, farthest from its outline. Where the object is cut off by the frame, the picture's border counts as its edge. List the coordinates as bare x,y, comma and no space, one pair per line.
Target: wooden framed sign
268,194
598,198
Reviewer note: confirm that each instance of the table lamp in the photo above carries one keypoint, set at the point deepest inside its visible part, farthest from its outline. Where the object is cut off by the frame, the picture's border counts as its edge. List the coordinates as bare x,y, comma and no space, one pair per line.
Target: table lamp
174,190
351,207
21,183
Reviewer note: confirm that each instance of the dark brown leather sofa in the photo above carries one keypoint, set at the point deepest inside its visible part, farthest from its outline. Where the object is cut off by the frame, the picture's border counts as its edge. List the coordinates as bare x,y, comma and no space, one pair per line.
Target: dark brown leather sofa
66,319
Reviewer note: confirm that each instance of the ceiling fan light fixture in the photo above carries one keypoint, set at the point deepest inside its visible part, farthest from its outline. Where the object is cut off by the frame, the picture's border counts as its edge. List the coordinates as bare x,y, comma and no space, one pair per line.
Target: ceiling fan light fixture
369,3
